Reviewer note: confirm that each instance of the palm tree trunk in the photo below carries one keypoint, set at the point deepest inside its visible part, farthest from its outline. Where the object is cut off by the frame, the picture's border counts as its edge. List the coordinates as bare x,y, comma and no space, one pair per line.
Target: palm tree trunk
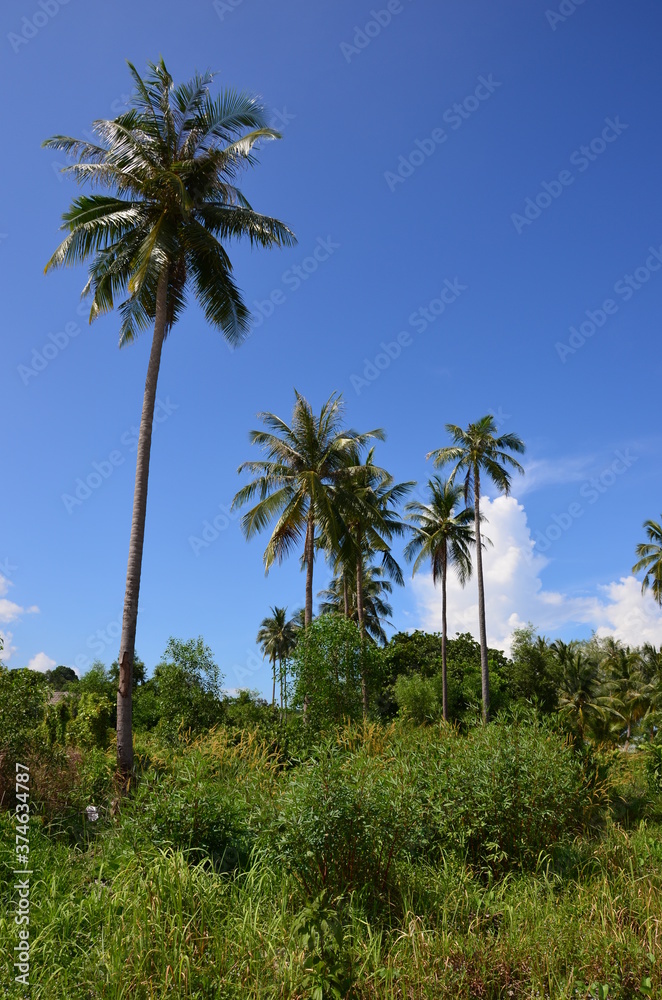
273,690
360,613
310,554
280,678
484,667
444,632
132,591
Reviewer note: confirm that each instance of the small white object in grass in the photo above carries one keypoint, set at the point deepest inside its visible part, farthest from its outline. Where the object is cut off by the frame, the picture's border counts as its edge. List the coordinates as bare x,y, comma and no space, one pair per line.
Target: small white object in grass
92,813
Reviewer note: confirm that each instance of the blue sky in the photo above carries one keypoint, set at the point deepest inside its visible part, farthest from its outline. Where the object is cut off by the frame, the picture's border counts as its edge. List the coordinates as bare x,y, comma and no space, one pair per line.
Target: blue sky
417,135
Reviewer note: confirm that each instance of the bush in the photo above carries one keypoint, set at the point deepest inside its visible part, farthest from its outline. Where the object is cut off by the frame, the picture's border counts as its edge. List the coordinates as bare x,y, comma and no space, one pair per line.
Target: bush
90,726
419,698
344,818
504,794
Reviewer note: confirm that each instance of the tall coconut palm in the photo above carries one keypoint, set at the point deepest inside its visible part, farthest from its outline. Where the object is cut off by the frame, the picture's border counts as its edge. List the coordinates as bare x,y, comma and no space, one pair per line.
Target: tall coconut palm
367,501
650,560
340,598
476,452
166,210
295,482
276,637
443,534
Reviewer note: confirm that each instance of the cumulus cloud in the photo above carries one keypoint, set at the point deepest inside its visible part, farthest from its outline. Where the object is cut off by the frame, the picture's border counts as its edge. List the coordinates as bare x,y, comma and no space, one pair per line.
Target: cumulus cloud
41,662
9,611
514,592
7,648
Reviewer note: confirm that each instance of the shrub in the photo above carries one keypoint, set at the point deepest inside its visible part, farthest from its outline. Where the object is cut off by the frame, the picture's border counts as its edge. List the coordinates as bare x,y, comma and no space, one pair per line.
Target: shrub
343,819
419,698
504,794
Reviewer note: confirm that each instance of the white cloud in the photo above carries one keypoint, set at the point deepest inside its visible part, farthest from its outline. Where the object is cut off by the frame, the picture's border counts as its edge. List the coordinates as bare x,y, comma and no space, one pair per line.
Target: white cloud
7,648
9,611
554,472
514,593
41,662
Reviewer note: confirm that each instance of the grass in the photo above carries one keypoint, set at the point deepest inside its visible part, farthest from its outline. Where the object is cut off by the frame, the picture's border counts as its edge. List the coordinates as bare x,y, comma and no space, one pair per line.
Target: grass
113,915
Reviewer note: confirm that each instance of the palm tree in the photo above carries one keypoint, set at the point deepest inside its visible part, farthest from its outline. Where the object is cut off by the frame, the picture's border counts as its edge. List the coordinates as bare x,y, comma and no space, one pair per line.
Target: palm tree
650,560
168,166
578,695
340,598
628,694
276,637
443,533
473,452
367,501
295,482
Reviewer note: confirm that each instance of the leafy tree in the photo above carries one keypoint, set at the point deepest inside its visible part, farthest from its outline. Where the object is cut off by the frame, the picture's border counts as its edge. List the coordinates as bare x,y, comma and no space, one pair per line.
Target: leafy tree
277,638
97,680
327,664
61,678
442,534
533,673
169,165
189,686
294,483
476,452
650,560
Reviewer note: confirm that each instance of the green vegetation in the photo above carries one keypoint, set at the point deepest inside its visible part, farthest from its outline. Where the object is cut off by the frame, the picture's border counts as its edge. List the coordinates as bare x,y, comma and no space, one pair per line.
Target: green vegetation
317,854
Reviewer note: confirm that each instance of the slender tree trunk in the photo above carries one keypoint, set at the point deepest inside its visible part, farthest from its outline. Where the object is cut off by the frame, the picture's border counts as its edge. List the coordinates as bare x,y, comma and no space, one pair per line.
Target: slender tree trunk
310,555
132,591
273,690
280,677
444,633
484,667
345,589
360,613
